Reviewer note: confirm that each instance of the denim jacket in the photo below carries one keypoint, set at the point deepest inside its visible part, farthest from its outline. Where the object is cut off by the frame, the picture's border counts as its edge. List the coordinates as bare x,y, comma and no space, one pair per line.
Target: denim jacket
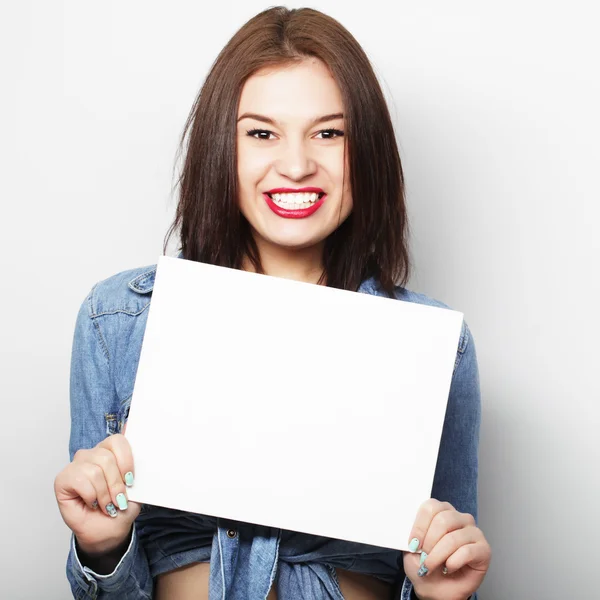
245,559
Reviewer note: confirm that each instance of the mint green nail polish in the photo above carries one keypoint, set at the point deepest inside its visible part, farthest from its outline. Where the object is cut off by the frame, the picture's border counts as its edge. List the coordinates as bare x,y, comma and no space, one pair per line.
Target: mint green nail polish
423,557
414,545
122,501
111,510
422,571
129,479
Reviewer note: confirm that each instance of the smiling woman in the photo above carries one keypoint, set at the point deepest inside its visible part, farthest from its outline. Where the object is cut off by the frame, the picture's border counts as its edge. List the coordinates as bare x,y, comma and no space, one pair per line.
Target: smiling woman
292,170
292,102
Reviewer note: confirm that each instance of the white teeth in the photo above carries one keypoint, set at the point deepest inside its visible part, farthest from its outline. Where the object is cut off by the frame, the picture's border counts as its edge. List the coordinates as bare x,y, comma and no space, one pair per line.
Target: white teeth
294,201
297,198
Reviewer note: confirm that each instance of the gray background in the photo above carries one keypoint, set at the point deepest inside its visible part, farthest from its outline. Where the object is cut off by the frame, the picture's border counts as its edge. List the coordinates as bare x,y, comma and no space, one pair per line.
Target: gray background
496,108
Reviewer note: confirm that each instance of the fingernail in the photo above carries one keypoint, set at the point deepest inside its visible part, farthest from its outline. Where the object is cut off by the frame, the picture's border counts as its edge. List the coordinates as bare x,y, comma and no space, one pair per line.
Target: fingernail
444,571
414,545
122,501
423,557
111,510
129,479
422,571
95,504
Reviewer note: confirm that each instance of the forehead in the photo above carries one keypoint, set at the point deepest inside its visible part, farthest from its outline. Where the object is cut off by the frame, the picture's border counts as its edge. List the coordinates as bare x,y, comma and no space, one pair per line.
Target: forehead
301,90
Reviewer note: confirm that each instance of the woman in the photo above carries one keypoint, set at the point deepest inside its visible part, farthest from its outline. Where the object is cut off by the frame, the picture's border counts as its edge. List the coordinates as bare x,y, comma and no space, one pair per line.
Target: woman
292,169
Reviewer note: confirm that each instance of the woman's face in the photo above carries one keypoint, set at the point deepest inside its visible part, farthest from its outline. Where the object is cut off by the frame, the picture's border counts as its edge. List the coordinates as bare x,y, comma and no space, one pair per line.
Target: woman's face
286,143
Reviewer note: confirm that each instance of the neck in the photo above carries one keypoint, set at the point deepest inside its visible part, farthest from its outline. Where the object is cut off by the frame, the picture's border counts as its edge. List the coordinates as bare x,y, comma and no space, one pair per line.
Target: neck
304,264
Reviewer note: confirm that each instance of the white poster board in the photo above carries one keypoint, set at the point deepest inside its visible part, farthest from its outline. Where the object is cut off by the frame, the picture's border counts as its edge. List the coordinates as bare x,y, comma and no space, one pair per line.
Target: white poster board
288,404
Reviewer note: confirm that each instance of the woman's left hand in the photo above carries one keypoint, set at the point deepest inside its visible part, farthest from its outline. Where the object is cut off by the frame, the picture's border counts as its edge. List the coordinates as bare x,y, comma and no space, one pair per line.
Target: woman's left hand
450,540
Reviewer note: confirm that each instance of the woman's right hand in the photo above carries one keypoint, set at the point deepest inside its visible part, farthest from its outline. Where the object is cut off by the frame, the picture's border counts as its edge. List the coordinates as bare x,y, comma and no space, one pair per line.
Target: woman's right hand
88,490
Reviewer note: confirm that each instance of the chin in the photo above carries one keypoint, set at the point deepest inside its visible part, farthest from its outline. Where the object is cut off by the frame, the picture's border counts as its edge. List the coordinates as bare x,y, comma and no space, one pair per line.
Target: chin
294,242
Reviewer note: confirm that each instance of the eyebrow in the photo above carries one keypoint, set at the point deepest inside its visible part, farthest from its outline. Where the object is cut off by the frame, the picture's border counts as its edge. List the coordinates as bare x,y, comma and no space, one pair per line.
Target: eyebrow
316,120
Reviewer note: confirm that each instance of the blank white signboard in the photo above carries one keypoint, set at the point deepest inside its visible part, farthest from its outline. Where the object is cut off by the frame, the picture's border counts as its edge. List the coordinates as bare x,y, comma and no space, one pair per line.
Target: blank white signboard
287,404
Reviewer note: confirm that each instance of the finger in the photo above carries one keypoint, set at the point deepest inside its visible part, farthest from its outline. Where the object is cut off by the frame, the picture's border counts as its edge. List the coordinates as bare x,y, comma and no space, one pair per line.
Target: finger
94,473
476,556
448,545
107,461
425,515
86,469
443,523
72,485
119,446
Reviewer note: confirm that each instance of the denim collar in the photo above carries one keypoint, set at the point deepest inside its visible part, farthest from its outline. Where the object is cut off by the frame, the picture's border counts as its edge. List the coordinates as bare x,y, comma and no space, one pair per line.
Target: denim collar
144,283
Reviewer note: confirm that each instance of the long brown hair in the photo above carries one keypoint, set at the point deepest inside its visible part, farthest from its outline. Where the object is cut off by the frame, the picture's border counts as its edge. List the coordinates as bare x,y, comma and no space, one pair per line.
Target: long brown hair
372,241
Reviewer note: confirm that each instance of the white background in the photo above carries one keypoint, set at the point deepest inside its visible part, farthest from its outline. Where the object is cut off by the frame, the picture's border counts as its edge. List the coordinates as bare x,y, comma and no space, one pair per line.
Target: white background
496,109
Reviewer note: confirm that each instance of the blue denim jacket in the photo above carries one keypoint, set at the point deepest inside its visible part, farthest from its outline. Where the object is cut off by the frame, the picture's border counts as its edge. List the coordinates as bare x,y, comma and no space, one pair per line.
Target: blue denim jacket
245,559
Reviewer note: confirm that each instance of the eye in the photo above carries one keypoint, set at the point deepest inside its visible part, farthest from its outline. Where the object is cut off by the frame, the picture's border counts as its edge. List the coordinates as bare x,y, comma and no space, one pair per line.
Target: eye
264,134
332,133
253,132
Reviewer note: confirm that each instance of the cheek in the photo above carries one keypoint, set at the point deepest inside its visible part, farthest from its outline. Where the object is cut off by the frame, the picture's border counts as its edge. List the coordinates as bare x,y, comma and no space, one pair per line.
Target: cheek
243,167
251,169
339,168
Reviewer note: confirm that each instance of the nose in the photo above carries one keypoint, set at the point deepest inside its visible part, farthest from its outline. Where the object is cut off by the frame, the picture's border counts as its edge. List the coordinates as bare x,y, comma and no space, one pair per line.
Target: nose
295,161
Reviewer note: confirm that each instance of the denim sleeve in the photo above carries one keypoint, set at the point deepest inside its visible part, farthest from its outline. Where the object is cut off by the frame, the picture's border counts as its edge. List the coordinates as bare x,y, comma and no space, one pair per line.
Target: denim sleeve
455,478
91,390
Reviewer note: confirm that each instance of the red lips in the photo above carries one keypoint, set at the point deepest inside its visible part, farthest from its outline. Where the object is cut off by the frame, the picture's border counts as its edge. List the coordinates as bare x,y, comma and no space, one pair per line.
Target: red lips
298,213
